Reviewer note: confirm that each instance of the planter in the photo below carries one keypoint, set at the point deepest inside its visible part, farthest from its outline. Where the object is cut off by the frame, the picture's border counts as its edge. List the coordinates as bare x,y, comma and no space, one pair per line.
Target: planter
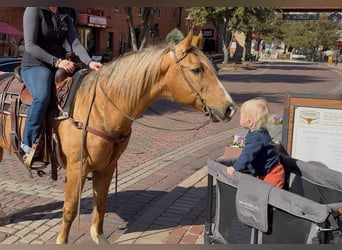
231,152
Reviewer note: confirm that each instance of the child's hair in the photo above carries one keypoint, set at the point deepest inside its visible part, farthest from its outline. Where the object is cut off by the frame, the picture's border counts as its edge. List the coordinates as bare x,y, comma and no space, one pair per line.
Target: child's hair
256,108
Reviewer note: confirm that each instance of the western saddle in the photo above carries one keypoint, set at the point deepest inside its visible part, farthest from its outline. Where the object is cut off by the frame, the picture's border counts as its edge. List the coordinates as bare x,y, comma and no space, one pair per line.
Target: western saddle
14,101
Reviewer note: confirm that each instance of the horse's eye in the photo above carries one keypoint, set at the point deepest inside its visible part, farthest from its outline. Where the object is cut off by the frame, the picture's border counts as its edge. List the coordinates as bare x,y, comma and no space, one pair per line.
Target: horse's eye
196,70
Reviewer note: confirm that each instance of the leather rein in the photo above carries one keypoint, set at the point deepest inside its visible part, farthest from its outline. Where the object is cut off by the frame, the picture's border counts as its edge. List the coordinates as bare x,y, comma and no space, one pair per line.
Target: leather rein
120,139
205,108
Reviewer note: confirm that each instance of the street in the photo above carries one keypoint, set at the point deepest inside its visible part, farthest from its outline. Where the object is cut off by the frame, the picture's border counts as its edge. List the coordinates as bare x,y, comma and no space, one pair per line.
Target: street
161,176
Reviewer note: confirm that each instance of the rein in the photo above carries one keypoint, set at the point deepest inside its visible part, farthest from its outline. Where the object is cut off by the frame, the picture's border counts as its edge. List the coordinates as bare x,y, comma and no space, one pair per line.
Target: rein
134,119
207,111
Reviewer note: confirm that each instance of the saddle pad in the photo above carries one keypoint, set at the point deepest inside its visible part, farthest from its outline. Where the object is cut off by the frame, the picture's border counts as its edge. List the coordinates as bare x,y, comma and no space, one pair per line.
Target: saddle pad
252,202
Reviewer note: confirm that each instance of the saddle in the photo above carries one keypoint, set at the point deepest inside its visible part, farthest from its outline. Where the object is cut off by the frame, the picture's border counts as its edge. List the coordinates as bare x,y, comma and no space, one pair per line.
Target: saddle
15,98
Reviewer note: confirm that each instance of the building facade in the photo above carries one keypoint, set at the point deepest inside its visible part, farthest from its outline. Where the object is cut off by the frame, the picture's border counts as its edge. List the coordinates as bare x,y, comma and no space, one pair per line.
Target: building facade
105,31
14,17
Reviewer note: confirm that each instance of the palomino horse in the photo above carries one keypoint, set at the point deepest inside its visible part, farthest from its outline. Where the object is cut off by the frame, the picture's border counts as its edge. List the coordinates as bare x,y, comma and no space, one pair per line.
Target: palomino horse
107,103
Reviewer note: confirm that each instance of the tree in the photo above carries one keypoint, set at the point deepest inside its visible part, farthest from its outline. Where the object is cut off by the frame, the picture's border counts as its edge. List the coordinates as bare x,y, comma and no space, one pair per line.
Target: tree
227,20
251,21
175,36
313,34
306,34
219,17
139,35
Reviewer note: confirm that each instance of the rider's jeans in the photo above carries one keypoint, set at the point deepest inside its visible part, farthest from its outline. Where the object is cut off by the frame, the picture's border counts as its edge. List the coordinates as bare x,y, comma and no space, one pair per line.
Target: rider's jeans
39,81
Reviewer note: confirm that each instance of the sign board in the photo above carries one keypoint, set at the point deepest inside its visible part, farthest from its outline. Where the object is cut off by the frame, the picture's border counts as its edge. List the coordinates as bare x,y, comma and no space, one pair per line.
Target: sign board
97,20
312,129
92,20
208,33
300,16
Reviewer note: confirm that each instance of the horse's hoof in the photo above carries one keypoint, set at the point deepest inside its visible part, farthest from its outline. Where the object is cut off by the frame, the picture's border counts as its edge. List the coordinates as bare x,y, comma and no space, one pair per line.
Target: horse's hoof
98,238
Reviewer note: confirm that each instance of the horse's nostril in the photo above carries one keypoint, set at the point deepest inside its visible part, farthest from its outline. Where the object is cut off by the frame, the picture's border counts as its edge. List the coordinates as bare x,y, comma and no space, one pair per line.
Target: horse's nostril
230,111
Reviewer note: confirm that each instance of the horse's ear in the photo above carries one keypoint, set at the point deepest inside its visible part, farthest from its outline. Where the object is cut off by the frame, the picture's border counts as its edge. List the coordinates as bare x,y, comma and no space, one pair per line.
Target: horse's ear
182,47
198,40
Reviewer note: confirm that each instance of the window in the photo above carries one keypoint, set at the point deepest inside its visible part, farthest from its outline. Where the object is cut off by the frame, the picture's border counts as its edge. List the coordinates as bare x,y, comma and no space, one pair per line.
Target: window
140,11
159,13
155,30
121,43
110,40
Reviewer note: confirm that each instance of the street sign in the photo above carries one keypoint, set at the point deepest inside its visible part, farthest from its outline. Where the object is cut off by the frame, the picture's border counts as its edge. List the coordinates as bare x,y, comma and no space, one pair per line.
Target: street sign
301,16
334,18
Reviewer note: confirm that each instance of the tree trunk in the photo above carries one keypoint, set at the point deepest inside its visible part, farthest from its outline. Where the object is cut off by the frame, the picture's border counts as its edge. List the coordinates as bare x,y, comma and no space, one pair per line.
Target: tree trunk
130,22
221,27
225,53
243,59
248,45
147,25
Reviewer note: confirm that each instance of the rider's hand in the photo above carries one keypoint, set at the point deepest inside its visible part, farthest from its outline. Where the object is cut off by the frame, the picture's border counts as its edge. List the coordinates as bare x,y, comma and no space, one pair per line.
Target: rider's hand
67,65
95,65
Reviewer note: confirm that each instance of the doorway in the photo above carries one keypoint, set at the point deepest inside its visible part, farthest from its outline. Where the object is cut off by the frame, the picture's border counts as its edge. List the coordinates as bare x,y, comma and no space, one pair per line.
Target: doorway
87,37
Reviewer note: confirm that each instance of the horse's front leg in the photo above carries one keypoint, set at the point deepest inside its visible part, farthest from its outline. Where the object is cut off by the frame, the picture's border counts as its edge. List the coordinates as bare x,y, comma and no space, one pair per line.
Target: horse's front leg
101,183
71,199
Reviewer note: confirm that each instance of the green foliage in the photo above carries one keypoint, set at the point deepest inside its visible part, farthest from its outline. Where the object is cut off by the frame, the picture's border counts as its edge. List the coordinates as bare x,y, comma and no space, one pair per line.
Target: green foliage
251,19
268,23
306,34
175,36
227,20
203,15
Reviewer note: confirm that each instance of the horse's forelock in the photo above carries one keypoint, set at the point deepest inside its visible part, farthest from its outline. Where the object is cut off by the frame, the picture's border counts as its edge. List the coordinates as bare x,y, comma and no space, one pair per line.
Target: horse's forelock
202,57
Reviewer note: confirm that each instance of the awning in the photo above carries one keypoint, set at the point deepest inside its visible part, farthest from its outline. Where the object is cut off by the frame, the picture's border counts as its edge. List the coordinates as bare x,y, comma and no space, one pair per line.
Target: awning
92,20
10,30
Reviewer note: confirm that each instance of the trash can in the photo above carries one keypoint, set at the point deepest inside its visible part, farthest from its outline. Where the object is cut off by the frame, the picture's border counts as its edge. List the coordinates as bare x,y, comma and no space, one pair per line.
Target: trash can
330,59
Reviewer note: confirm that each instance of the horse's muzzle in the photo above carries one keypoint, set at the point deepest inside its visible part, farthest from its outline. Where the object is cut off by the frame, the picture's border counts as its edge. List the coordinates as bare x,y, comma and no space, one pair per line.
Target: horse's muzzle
224,115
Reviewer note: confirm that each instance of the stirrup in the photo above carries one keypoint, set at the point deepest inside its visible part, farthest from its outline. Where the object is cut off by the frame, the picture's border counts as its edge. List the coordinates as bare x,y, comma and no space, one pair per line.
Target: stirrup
31,161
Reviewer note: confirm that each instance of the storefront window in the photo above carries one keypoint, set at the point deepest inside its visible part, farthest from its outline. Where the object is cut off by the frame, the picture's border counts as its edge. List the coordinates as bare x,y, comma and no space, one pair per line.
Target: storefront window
86,35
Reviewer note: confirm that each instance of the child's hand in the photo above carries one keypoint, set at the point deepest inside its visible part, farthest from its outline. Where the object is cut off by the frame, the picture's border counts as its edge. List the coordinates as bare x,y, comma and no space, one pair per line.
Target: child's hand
230,171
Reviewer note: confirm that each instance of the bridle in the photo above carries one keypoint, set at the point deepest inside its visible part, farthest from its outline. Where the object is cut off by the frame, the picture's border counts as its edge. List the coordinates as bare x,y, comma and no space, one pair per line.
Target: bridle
205,108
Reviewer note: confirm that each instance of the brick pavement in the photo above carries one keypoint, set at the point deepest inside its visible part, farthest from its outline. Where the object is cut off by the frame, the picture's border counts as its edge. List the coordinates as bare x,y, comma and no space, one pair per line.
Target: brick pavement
161,184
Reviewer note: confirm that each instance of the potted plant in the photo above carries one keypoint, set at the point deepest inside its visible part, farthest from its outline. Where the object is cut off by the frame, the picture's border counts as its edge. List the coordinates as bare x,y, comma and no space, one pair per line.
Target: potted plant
234,148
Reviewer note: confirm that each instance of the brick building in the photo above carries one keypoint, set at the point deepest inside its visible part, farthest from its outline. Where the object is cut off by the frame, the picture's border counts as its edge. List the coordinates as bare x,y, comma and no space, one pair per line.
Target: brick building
14,17
104,30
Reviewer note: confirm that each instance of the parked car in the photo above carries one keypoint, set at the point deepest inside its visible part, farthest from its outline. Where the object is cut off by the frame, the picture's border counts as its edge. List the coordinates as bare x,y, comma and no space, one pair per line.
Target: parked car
297,56
8,64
